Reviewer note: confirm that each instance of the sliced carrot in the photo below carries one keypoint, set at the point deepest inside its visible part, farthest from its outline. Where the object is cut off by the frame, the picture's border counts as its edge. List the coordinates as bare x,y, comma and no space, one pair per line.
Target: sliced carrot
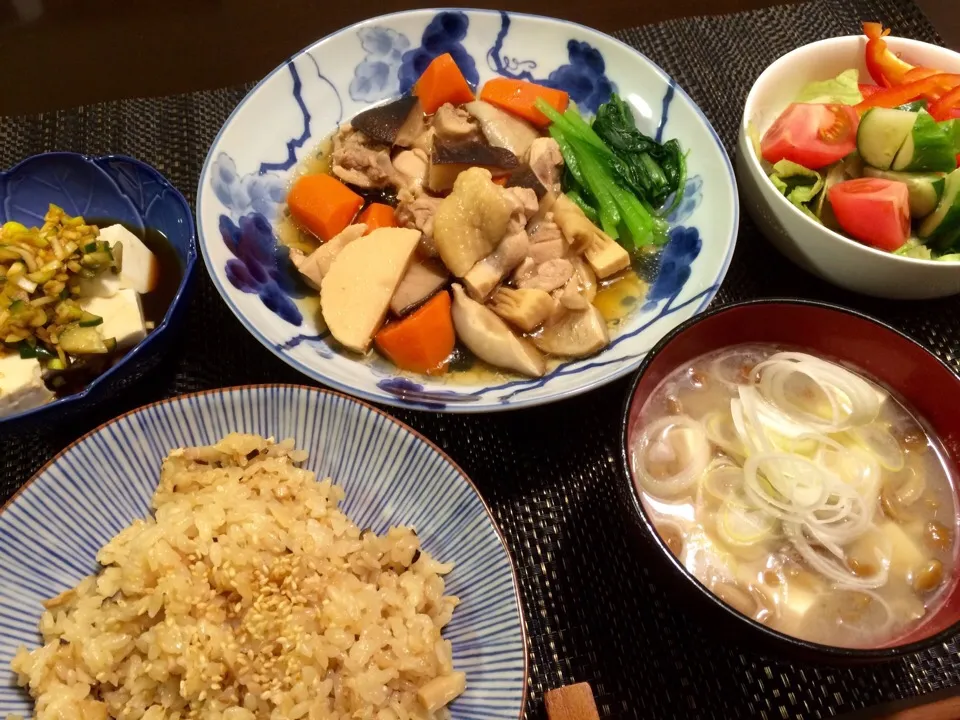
519,97
421,342
442,82
376,216
322,204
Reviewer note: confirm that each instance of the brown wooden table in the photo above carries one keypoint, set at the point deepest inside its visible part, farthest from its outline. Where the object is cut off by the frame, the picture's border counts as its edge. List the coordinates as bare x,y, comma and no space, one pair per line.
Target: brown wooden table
62,53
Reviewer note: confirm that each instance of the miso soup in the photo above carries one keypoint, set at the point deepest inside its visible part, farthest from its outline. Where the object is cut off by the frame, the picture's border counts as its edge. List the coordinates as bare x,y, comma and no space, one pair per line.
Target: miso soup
800,492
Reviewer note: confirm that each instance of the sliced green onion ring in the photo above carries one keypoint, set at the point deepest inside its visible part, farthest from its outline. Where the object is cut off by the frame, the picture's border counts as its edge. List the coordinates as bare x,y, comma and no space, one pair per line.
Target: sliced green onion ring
656,444
881,444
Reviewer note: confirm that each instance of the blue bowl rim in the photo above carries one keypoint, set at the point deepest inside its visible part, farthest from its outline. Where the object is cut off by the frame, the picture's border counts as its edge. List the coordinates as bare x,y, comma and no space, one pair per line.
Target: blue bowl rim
323,391
465,408
139,348
769,636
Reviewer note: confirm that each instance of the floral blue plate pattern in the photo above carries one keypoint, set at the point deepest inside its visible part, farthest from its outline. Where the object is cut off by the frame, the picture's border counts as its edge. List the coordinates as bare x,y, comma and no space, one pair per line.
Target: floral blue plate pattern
391,476
115,187
251,162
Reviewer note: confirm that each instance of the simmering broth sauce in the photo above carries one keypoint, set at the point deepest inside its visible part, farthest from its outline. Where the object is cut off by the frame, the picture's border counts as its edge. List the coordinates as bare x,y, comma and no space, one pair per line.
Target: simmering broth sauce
800,492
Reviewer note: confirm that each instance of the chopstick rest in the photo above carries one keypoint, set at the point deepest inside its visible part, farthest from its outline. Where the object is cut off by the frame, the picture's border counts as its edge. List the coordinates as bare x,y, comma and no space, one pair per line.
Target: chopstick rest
571,702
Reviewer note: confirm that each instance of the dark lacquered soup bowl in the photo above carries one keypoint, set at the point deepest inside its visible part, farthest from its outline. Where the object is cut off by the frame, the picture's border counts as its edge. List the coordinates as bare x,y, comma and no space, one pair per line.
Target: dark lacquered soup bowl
914,375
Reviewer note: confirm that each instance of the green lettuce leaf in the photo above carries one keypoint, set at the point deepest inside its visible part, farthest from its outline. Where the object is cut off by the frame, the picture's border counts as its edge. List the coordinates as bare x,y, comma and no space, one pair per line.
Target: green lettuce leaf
953,126
842,89
915,249
800,185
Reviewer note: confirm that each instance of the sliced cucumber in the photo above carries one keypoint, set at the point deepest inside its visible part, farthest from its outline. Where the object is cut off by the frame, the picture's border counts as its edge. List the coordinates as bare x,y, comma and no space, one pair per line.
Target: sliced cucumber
928,147
77,340
28,350
915,249
88,319
925,189
914,106
882,133
942,228
41,276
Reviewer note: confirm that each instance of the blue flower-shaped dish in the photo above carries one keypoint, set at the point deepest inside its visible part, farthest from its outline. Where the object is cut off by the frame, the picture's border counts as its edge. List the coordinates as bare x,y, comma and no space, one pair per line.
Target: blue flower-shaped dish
250,164
115,187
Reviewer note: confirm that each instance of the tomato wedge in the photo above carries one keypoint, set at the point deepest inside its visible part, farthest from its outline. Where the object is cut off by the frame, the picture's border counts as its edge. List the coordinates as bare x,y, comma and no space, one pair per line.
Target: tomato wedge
876,212
812,135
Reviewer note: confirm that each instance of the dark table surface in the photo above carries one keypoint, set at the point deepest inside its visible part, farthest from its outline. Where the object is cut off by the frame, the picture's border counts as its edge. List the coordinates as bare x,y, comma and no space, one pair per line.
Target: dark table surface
62,53
57,54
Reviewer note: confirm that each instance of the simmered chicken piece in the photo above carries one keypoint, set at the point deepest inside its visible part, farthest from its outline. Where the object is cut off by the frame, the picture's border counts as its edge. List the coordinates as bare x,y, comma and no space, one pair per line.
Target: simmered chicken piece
480,241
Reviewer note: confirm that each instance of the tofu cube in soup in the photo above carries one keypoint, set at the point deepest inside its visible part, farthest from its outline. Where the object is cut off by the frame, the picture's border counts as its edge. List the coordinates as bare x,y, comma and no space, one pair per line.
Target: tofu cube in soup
21,385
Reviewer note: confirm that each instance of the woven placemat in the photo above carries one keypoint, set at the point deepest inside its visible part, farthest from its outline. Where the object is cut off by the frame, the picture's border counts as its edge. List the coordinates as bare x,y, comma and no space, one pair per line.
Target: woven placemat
594,606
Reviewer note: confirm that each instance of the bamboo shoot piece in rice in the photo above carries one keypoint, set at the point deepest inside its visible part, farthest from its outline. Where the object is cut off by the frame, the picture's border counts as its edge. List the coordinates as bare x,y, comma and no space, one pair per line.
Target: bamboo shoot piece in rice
822,503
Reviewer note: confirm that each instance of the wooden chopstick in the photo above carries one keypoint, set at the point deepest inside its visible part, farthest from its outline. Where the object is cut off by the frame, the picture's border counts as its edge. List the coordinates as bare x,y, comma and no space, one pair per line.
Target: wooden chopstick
571,702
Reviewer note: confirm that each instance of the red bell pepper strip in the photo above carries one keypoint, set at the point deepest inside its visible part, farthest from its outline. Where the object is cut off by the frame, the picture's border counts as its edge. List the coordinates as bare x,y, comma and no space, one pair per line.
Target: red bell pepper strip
897,95
868,90
943,108
884,66
919,73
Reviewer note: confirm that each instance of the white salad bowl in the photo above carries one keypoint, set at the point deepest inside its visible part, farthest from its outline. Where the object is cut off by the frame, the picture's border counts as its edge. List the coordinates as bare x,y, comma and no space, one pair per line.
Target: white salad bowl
248,170
828,254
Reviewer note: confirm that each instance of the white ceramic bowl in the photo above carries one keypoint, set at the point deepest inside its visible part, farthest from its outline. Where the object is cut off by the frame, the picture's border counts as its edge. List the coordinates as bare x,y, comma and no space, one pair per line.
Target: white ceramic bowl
830,255
248,169
51,530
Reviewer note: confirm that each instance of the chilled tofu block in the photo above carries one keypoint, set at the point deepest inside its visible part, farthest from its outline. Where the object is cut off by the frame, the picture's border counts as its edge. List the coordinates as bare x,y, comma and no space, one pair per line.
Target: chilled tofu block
21,385
139,268
104,285
122,317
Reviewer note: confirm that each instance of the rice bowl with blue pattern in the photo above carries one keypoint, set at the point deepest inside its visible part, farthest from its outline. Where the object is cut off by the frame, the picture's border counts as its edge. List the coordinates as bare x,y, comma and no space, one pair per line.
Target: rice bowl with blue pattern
275,132
305,577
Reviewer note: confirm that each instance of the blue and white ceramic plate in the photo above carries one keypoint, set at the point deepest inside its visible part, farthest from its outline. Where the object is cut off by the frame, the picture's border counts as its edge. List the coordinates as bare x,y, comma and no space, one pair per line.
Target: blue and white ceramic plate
246,174
51,531
114,187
